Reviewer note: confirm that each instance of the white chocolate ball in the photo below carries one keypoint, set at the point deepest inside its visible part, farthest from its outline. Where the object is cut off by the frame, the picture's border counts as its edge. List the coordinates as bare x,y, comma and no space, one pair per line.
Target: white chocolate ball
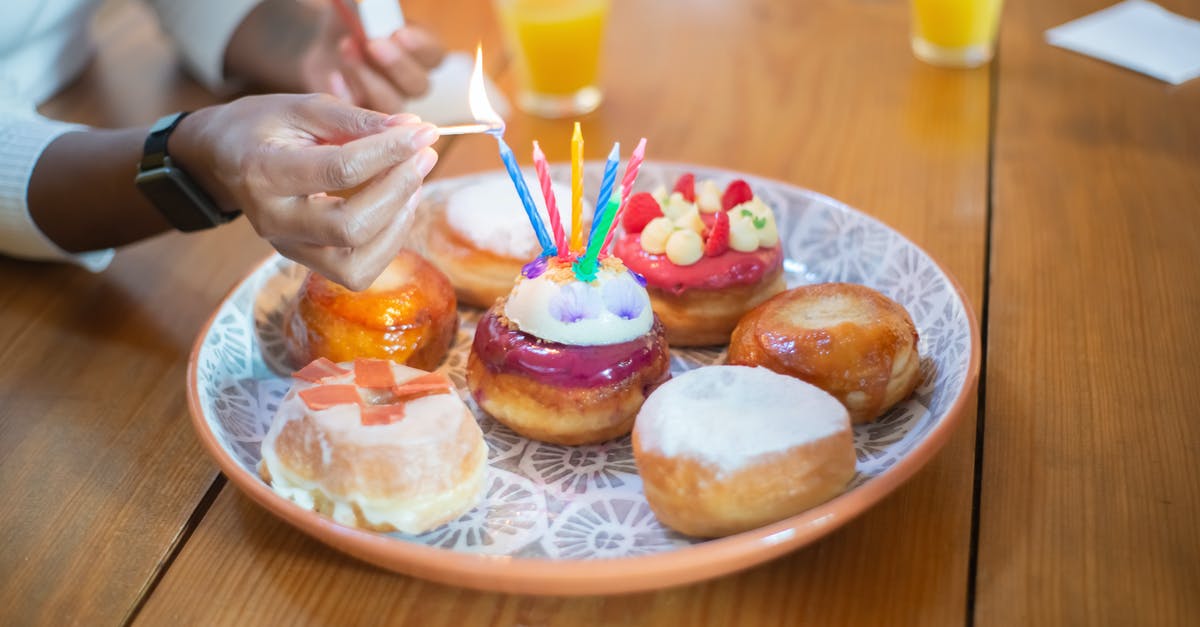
654,236
743,237
685,247
708,196
690,221
768,236
660,195
676,206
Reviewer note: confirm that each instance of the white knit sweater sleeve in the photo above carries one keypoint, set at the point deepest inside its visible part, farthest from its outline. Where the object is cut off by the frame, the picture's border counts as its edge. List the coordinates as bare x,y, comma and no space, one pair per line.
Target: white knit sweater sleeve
23,136
201,30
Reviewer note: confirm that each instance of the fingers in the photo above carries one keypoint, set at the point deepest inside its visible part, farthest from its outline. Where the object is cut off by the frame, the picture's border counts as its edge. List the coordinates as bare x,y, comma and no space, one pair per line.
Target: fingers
354,268
339,88
300,171
333,120
353,222
422,45
370,87
399,67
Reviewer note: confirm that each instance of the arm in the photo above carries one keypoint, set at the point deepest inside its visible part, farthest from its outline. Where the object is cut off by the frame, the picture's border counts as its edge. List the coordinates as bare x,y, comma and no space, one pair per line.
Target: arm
266,47
273,157
110,211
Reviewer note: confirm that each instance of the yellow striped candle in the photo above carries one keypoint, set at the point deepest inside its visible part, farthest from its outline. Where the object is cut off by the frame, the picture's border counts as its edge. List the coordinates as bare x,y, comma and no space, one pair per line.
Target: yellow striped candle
577,190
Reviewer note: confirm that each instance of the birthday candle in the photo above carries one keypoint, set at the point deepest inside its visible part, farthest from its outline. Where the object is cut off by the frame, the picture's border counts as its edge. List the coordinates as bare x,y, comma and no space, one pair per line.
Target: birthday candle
543,173
577,189
585,268
631,172
606,186
535,220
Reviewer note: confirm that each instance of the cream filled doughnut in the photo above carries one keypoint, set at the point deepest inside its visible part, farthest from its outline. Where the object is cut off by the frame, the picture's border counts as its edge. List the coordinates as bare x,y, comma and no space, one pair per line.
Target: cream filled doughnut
375,445
725,449
708,257
479,237
568,361
844,338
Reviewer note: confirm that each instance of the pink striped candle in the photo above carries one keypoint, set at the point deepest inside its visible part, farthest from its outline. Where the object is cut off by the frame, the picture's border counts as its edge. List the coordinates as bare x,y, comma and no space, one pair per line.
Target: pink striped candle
631,172
543,174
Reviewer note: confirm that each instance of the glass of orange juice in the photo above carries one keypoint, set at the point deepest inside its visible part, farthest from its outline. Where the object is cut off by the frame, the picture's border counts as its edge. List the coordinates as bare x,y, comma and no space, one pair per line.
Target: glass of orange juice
556,48
955,33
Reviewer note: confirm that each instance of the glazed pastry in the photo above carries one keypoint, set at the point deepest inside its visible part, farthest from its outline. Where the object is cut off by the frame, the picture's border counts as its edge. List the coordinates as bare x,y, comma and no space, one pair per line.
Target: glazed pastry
708,257
846,339
375,445
725,449
567,361
408,315
478,237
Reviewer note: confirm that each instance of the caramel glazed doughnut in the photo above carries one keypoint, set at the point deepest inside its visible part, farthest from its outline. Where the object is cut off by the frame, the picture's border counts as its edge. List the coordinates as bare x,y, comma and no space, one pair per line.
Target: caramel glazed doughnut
408,315
844,338
479,236
376,446
726,449
565,361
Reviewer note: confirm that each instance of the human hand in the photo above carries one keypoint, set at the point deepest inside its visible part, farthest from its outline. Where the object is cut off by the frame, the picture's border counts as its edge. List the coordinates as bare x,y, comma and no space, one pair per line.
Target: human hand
275,157
382,75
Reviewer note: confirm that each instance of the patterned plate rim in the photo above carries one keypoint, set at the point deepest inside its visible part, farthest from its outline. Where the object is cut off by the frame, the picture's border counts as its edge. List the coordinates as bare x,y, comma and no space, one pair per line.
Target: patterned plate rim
523,575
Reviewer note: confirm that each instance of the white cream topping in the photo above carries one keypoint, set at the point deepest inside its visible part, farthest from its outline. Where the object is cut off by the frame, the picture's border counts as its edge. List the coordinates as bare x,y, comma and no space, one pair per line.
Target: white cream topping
612,309
490,215
428,423
729,416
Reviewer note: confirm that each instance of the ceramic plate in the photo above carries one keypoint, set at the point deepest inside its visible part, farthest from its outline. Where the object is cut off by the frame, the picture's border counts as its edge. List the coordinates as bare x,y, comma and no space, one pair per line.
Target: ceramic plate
573,520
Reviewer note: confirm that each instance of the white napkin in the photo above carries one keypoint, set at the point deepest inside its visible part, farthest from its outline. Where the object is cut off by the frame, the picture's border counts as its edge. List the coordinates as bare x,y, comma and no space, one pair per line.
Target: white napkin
1139,35
446,101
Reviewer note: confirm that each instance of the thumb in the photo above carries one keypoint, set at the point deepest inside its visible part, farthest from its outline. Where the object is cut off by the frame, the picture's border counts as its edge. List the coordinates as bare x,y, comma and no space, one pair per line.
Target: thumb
334,121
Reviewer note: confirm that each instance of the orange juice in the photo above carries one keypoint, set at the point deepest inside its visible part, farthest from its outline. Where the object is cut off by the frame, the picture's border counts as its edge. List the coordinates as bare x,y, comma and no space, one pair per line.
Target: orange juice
958,33
556,46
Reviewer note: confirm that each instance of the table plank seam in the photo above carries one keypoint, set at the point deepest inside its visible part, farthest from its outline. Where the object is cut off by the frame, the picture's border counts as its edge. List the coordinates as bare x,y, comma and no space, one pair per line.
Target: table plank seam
185,534
981,389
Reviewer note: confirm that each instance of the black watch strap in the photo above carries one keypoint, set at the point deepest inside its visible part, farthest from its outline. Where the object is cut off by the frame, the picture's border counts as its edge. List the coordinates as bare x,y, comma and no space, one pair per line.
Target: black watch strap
175,194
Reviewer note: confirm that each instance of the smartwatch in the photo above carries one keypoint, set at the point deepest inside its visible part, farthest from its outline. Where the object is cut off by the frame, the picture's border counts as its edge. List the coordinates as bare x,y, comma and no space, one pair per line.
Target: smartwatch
180,200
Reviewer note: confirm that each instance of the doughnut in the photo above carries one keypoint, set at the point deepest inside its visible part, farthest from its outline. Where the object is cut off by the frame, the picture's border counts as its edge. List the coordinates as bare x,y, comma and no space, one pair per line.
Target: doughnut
566,361
375,445
708,257
726,449
847,339
479,237
408,315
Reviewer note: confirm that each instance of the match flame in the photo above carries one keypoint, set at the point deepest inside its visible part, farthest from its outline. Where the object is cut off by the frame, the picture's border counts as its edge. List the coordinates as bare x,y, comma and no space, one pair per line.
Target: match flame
481,108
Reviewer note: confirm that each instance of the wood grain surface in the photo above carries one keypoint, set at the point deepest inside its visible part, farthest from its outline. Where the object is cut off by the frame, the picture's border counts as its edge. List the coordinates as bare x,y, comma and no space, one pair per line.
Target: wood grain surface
1091,488
829,98
98,462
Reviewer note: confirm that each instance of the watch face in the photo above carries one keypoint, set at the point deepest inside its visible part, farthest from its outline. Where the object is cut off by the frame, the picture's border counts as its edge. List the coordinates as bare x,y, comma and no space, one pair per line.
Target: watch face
183,204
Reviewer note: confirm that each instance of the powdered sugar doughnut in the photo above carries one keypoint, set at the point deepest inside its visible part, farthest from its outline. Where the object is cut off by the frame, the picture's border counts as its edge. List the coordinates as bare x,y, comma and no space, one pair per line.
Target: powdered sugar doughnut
480,237
375,445
725,449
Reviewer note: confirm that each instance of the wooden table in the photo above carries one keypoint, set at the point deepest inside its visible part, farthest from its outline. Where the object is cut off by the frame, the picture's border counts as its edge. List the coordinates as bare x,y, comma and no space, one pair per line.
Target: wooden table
1063,193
